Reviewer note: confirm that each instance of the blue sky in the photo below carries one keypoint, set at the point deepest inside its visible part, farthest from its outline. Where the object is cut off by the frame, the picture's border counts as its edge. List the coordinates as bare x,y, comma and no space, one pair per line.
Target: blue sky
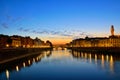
59,20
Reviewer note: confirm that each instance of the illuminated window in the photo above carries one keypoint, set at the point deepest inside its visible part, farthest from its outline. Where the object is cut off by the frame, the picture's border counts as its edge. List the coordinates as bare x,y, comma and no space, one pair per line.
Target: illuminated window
7,45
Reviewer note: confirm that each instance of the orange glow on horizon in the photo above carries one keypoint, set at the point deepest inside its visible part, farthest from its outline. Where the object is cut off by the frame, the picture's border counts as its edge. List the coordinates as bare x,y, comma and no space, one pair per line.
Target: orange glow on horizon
57,41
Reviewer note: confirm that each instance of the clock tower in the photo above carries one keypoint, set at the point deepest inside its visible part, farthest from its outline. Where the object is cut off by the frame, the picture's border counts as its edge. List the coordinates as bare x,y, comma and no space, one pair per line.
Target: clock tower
112,30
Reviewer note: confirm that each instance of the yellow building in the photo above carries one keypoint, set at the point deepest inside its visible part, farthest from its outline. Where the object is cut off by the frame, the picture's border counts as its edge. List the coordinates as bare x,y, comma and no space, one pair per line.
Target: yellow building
97,42
111,41
15,41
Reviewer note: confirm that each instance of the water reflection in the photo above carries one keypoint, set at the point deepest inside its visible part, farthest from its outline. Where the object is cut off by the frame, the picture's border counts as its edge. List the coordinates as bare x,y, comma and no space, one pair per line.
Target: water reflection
23,64
106,61
17,65
111,64
17,68
95,58
63,65
102,61
7,74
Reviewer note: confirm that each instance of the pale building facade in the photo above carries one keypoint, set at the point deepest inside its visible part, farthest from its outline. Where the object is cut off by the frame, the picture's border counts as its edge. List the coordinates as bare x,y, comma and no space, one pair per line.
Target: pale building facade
111,41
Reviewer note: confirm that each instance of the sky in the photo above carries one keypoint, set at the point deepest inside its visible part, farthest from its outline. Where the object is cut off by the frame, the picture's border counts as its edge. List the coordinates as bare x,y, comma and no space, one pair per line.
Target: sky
59,21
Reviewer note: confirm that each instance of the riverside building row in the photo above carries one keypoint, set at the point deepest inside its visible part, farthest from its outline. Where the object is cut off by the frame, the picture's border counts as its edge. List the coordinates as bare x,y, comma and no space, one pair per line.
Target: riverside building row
111,41
16,41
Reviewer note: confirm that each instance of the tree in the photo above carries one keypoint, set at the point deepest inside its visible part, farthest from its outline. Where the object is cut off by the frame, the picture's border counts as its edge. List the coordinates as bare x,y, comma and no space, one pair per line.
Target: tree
49,43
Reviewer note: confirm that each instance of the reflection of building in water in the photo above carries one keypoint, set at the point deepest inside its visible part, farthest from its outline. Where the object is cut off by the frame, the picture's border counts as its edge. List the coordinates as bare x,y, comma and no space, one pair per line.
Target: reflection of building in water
102,61
33,59
7,74
111,64
22,63
105,61
96,58
107,58
17,68
29,62
90,58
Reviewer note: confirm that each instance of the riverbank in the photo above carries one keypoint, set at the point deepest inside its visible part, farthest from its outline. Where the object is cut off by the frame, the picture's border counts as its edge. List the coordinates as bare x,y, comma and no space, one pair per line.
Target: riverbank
20,50
10,54
110,50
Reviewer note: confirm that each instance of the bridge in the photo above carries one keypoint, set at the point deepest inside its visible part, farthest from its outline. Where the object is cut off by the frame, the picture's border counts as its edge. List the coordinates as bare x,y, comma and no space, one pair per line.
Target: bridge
59,47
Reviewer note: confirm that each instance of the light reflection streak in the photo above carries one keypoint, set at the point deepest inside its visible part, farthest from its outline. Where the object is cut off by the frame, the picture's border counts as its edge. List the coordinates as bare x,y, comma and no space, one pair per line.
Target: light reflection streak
107,58
23,64
33,59
104,59
85,57
29,62
81,54
95,58
17,68
90,58
7,74
37,58
111,64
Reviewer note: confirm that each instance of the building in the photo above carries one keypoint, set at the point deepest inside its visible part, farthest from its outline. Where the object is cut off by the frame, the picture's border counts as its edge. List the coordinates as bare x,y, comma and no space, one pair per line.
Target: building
4,41
112,30
96,42
29,42
111,41
38,43
23,42
15,41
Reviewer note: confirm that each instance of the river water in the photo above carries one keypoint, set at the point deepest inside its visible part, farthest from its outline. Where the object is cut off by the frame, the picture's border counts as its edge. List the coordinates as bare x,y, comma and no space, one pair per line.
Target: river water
63,65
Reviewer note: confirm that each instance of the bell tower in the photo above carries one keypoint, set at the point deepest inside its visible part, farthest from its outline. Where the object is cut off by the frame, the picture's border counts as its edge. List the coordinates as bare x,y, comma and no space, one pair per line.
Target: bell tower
112,30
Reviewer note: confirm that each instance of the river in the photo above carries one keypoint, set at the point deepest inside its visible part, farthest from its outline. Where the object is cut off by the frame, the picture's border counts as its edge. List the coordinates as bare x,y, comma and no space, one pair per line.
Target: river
63,65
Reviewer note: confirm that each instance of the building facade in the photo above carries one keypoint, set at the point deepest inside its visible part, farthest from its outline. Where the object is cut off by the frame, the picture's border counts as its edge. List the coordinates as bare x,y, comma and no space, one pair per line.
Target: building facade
96,42
111,41
16,41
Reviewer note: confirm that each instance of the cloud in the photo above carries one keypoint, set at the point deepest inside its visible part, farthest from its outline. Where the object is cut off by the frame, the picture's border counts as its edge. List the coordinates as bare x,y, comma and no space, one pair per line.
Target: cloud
55,32
17,19
44,32
65,33
26,30
23,30
75,37
33,31
20,29
8,17
12,19
72,33
39,32
5,25
83,33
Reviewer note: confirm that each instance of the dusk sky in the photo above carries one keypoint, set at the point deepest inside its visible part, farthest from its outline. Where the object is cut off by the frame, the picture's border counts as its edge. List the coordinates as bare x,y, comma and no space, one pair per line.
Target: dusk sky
59,21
